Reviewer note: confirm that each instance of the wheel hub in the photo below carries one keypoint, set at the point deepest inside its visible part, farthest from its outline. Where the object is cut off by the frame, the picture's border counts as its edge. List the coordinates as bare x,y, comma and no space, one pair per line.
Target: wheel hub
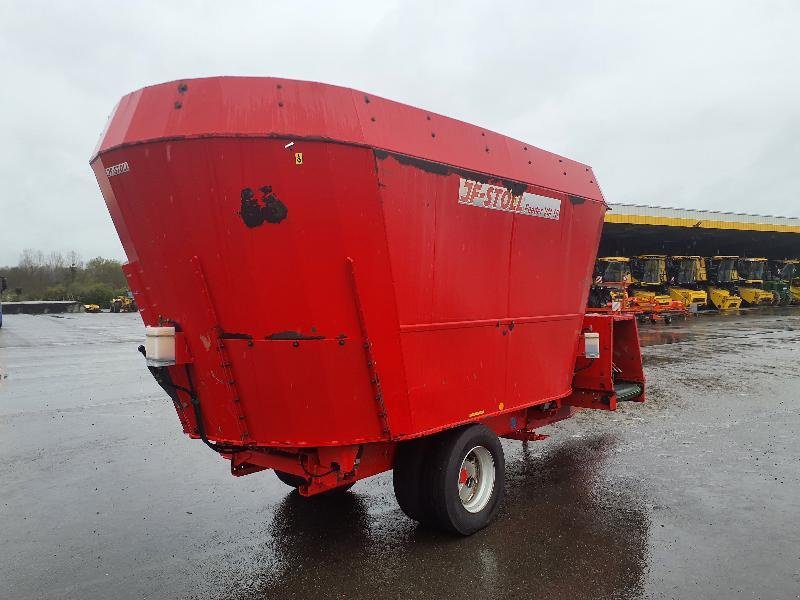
476,479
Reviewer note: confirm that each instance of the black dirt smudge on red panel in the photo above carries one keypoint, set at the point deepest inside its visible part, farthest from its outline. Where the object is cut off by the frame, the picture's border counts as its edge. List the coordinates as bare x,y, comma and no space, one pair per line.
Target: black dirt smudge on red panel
268,209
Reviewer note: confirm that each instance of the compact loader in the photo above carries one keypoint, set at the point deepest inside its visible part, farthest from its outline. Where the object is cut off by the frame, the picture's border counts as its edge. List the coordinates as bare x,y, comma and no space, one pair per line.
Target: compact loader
123,304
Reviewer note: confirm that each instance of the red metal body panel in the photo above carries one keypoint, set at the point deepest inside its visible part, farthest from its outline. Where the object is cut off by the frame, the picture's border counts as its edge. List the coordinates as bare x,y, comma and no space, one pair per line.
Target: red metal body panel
620,361
262,107
344,269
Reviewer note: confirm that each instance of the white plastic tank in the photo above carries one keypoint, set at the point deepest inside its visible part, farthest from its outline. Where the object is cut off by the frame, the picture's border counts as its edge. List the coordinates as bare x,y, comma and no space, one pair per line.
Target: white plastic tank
159,345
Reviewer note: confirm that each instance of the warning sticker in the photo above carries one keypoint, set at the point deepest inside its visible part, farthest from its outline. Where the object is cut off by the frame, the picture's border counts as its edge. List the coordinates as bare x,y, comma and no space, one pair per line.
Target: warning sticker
496,197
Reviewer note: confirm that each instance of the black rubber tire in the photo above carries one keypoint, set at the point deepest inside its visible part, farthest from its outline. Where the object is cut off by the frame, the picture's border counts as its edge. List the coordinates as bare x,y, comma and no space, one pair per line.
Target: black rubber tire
409,460
295,481
667,319
439,484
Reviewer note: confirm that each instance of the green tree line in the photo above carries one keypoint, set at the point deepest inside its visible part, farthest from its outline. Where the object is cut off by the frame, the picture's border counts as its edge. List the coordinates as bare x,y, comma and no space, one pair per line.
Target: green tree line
58,276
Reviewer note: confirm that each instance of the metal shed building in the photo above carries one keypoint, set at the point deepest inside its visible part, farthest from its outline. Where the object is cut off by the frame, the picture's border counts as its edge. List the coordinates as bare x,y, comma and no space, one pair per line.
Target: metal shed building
632,229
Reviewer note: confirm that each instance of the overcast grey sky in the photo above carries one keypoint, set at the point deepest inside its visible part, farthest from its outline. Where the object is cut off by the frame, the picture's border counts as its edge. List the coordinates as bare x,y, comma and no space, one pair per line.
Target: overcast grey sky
674,103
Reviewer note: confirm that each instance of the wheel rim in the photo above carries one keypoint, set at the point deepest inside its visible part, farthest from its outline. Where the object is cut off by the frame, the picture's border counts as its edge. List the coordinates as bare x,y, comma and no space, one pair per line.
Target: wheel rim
476,479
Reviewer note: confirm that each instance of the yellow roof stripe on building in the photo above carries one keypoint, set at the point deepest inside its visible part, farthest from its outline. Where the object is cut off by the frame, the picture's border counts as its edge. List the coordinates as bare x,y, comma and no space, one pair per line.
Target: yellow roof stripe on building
635,214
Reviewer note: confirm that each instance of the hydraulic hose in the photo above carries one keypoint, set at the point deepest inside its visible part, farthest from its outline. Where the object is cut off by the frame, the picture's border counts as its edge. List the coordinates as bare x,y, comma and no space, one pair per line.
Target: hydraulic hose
166,382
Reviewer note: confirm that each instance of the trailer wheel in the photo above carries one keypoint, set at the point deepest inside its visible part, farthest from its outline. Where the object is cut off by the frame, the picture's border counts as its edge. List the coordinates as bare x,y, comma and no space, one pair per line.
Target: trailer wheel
464,479
409,460
294,481
667,319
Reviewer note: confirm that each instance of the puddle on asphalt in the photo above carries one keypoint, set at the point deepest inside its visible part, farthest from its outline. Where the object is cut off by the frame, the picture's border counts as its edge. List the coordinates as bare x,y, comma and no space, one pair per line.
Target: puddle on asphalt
656,337
712,324
558,501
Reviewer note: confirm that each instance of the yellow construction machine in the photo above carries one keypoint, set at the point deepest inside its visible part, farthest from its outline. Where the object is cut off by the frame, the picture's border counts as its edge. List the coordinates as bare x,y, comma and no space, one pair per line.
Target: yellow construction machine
650,279
722,283
649,300
790,274
123,304
686,276
612,276
751,284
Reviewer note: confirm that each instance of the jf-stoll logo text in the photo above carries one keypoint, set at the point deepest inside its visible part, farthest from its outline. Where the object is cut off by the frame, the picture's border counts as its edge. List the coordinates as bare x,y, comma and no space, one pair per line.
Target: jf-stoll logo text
497,197
117,169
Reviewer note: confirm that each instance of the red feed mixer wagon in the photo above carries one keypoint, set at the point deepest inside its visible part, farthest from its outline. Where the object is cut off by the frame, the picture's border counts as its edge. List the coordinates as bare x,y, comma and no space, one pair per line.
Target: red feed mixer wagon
335,285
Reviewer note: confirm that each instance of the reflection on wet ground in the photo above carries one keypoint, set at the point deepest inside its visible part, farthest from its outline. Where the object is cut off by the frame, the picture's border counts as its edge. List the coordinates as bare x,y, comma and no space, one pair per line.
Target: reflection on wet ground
709,324
559,518
694,494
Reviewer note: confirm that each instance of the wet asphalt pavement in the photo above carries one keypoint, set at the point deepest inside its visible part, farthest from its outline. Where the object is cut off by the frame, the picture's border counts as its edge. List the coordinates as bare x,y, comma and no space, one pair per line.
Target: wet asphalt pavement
695,494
